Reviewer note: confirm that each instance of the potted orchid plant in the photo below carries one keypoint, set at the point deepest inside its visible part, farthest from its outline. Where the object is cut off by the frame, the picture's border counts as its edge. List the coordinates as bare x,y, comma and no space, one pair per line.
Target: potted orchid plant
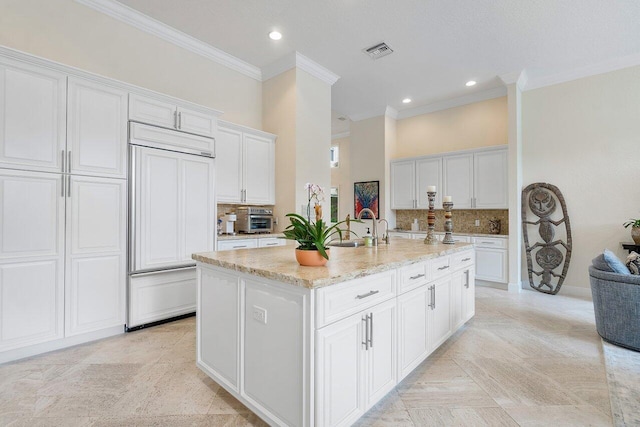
313,237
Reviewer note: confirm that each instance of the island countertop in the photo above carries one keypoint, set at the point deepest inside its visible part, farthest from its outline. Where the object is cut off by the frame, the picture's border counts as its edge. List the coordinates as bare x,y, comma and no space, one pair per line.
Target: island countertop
279,263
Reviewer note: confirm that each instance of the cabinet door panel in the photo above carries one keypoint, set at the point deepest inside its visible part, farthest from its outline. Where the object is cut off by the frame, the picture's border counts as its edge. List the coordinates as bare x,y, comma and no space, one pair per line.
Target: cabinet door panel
229,166
158,222
197,206
339,369
32,214
31,302
458,179
403,190
32,117
441,313
382,353
491,265
428,172
218,325
97,129
259,170
469,294
96,280
413,344
490,180
152,111
196,122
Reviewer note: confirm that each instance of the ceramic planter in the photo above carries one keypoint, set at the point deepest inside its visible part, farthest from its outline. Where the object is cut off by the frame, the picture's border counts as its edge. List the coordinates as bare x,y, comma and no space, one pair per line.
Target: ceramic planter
635,234
310,258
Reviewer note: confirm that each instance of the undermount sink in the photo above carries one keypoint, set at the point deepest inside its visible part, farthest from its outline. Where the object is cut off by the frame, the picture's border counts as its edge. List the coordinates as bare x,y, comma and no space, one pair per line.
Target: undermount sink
348,244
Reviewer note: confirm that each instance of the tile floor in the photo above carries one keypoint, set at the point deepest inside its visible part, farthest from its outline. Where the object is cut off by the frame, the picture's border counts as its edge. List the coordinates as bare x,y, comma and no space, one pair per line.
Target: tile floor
527,359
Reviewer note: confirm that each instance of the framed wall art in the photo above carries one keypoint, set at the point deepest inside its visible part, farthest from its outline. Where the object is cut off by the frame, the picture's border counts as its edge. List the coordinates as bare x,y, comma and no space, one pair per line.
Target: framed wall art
366,195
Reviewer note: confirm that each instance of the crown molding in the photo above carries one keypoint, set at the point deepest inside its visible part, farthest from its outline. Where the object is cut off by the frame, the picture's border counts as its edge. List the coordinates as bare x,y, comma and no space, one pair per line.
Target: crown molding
149,25
298,60
588,71
341,135
519,78
455,102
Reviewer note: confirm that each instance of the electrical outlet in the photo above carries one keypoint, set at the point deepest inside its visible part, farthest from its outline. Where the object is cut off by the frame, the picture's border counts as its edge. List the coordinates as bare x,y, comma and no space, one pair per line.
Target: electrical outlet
477,223
275,220
260,314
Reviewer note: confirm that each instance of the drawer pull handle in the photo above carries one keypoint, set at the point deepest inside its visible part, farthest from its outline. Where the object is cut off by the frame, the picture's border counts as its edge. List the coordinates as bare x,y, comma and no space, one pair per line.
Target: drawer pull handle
488,243
443,267
272,244
466,259
416,277
368,294
239,246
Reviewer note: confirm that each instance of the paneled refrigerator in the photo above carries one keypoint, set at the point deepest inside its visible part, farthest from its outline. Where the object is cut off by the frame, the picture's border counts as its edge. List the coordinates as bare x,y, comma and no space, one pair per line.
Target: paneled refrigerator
171,216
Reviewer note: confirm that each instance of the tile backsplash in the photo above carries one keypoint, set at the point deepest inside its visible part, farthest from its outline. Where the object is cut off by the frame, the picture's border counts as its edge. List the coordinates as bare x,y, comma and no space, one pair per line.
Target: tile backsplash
463,220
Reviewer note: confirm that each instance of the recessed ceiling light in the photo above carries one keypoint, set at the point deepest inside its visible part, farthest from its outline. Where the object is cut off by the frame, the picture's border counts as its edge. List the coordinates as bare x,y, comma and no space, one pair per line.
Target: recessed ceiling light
406,100
275,35
471,83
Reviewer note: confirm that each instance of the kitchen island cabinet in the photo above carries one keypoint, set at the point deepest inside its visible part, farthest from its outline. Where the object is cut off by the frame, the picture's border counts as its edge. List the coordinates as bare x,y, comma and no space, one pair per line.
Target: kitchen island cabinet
319,346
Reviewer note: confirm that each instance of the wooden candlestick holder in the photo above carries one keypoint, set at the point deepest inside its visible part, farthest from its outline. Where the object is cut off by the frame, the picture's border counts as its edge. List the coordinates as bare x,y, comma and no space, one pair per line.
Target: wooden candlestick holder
448,223
431,220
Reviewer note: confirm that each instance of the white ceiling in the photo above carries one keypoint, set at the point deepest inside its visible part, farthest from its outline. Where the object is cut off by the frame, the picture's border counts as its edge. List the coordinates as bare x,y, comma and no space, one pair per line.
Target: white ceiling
438,44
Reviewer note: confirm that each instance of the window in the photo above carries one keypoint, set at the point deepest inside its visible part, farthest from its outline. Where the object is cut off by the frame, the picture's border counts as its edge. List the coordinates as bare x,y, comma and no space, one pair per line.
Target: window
334,204
334,156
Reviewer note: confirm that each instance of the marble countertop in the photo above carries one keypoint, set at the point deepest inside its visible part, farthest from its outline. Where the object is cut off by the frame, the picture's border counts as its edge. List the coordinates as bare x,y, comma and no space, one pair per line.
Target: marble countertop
504,236
249,236
279,263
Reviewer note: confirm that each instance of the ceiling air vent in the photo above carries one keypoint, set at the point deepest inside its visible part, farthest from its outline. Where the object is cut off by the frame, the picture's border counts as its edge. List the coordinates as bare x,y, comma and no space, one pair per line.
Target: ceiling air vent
378,51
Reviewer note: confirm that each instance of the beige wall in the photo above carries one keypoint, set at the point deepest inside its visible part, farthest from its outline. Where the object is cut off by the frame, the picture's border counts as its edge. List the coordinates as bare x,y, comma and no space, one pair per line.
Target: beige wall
477,125
72,34
583,136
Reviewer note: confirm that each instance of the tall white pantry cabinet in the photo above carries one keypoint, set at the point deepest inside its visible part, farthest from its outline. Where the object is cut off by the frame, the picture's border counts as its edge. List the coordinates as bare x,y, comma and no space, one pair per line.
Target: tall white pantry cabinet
63,199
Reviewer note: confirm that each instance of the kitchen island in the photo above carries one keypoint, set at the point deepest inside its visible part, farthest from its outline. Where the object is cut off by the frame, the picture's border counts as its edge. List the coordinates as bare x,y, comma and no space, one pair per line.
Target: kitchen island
319,346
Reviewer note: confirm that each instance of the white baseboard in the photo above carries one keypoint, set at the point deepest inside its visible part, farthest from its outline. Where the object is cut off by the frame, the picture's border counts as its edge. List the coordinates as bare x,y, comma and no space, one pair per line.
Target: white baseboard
33,350
495,285
567,291
514,287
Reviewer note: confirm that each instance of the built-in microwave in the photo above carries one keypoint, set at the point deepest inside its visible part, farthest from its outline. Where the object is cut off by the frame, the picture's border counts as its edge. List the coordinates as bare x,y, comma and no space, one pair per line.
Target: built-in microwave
254,219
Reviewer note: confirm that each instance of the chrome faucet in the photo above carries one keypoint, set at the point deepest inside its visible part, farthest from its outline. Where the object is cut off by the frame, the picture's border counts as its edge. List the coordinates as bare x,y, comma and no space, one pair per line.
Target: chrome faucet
385,236
374,222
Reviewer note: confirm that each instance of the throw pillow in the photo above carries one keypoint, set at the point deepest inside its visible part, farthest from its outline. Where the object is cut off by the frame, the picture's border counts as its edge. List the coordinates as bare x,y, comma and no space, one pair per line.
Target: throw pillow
599,263
614,263
633,263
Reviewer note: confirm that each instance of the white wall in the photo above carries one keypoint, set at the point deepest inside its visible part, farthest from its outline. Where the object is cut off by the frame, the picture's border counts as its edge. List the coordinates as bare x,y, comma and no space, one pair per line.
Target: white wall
341,177
75,35
584,137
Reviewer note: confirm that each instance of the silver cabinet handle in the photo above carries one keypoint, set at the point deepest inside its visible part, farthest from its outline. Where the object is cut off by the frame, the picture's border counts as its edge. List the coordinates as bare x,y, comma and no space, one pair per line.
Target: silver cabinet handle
239,246
466,259
62,186
443,268
63,159
433,289
179,120
69,162
432,303
370,334
416,276
365,319
271,244
466,284
69,188
175,119
368,294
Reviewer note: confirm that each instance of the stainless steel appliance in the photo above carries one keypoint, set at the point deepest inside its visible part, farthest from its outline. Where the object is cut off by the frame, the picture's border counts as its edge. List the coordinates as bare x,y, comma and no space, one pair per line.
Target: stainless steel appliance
171,216
228,224
253,219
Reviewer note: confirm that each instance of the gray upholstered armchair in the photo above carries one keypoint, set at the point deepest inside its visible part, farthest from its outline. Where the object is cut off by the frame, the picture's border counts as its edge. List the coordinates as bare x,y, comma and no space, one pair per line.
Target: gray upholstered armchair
616,301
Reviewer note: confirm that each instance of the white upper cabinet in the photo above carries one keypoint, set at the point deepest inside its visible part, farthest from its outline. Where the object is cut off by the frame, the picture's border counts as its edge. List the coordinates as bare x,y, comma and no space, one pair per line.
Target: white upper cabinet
490,180
245,165
97,129
458,180
428,172
166,114
403,188
32,117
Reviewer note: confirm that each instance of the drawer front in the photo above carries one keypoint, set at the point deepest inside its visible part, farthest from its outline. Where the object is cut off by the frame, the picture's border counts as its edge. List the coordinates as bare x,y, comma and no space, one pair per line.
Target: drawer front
461,239
440,267
490,242
462,260
400,235
271,241
338,301
414,275
230,245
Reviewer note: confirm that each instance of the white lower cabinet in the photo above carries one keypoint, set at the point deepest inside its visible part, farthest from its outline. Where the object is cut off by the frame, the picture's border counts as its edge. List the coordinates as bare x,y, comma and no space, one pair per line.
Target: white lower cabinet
440,314
230,245
413,337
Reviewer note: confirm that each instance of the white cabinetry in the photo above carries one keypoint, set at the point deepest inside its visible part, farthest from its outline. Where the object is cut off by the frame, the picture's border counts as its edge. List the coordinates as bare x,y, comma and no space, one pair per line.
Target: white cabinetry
490,179
167,114
458,179
413,327
169,240
440,314
32,117
245,165
230,245
357,358
96,130
410,179
491,259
